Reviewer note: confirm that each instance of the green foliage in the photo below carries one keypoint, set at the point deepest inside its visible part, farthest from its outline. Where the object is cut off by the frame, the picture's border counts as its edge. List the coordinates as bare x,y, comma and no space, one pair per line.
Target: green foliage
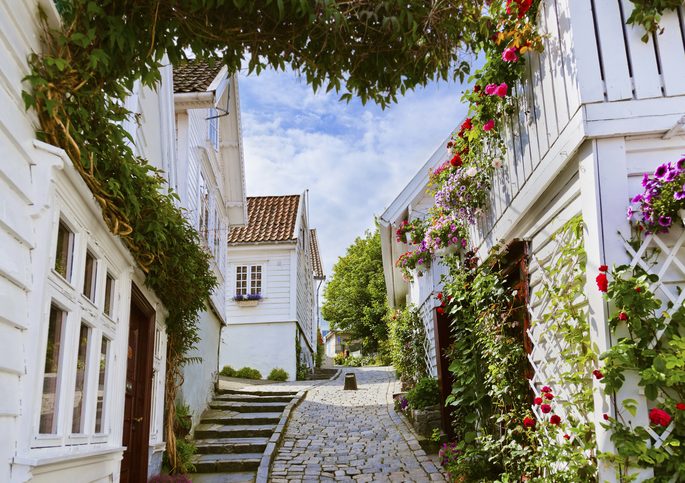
647,13
424,394
320,349
406,341
184,423
228,371
185,452
653,347
248,373
302,371
355,298
278,374
339,359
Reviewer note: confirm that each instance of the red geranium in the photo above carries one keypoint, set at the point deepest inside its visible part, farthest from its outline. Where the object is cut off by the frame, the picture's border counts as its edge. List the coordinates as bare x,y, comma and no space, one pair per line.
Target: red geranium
439,295
622,316
466,125
528,422
450,144
603,268
598,374
456,161
549,396
555,420
567,437
659,417
602,282
537,400
638,289
440,310
546,389
680,406
519,7
545,408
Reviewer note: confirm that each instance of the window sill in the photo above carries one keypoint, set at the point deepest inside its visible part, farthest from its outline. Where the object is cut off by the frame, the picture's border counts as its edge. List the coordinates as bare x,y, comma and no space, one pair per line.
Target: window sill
64,454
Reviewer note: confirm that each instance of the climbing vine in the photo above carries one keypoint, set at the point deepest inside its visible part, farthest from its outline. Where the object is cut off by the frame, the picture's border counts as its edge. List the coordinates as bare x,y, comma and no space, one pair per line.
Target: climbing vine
647,13
406,339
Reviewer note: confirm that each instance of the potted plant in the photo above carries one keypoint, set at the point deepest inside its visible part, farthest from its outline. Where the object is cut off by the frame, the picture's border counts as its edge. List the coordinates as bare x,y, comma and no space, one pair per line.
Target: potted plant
662,201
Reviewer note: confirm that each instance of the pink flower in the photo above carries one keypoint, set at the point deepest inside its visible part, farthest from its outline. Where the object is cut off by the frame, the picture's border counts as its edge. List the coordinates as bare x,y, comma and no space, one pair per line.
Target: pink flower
490,89
489,125
502,90
509,55
622,316
545,408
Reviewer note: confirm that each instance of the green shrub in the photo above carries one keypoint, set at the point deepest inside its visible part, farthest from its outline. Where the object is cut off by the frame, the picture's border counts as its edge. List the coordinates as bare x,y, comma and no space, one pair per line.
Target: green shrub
278,374
339,359
426,393
185,451
248,373
228,371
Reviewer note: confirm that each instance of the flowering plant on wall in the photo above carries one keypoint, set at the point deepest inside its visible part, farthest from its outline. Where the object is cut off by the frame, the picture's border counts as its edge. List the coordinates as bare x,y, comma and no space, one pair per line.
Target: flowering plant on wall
419,260
250,296
411,231
662,201
446,232
464,193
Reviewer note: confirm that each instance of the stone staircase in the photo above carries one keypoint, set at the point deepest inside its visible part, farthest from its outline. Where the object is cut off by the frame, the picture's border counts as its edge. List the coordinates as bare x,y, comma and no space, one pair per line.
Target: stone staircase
233,434
321,374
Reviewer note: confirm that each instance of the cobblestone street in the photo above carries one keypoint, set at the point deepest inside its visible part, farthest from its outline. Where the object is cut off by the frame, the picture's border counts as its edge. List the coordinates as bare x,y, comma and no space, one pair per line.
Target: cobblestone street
337,435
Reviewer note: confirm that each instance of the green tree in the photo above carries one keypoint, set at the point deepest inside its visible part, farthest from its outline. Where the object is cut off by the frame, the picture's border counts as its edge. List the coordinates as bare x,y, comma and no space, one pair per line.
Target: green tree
355,297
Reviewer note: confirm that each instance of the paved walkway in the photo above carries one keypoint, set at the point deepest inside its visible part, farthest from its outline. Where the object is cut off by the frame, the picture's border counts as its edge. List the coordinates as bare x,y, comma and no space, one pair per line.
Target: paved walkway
337,435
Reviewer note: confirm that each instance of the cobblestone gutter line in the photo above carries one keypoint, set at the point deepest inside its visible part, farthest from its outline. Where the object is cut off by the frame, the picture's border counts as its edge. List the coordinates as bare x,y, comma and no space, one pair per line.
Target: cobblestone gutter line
275,441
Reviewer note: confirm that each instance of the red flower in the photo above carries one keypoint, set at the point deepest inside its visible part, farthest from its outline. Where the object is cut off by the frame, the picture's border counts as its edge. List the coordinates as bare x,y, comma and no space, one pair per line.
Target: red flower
546,389
528,422
605,416
603,268
602,282
622,316
466,125
567,437
450,144
456,161
549,396
537,400
659,417
476,88
555,420
519,7
440,296
545,408
598,374
440,310
680,406
638,289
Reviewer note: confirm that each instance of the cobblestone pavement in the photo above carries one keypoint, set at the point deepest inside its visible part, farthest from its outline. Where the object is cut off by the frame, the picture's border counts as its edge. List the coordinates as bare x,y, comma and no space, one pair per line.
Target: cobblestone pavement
336,435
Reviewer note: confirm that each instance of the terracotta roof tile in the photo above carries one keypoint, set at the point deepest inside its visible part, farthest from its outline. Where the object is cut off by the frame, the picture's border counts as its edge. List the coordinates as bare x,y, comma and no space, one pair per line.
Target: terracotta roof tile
269,219
317,267
194,76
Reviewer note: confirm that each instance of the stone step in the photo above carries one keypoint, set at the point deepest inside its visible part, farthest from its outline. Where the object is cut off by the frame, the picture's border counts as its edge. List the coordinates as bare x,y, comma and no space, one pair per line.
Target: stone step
213,463
248,407
321,374
242,477
225,417
256,392
231,445
211,431
253,398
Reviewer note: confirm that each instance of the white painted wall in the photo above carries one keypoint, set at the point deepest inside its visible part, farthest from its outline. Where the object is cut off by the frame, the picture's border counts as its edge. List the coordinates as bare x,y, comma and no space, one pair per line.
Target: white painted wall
263,346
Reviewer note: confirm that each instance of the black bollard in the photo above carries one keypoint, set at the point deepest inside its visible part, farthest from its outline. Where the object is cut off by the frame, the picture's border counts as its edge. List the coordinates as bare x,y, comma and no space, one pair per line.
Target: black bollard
350,382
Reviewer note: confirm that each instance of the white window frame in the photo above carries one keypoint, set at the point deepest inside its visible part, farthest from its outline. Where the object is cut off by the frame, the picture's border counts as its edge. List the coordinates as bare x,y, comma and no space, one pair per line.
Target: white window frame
248,287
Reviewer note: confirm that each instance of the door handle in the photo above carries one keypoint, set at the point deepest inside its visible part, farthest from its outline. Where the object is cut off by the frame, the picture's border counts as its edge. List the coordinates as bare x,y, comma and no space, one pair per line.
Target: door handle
138,420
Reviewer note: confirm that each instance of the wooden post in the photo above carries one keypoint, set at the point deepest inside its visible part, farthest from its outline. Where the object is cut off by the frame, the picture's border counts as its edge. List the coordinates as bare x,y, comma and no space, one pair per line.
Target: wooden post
350,382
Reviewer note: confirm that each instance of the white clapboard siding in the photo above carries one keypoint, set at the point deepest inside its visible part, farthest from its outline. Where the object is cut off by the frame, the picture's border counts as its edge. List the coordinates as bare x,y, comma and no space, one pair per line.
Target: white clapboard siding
671,53
646,76
612,47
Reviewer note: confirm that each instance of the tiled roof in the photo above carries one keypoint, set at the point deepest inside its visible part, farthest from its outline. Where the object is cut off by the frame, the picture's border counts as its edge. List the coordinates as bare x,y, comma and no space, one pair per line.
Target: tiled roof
316,256
194,76
269,219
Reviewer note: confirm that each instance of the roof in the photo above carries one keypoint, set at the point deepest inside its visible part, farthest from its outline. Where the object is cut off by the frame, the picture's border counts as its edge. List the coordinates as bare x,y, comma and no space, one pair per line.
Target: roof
317,267
269,219
195,76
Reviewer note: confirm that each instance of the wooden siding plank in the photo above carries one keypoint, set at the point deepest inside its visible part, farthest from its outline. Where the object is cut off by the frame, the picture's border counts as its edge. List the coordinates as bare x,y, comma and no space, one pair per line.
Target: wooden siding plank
548,95
646,77
672,54
567,55
520,172
542,131
614,55
524,135
531,123
588,72
556,63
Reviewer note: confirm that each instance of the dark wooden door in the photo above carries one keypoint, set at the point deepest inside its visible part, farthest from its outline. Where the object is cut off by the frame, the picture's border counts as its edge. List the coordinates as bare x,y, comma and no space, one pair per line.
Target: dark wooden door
443,339
138,390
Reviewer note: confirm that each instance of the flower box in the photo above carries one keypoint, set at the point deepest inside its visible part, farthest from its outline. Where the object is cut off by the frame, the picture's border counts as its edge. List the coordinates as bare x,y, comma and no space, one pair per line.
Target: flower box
247,303
248,300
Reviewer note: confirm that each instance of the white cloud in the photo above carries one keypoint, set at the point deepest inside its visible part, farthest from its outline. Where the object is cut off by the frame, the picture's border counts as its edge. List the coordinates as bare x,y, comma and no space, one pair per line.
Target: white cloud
353,159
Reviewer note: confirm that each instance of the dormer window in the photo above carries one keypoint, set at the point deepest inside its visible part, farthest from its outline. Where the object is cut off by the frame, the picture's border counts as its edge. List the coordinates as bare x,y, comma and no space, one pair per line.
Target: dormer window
213,119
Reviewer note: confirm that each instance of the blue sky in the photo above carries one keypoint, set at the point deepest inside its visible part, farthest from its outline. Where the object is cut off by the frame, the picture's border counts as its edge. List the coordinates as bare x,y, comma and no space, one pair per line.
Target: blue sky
354,159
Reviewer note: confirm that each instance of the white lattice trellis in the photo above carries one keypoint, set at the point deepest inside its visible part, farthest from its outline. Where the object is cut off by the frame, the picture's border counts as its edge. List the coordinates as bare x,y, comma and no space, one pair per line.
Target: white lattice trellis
663,255
550,268
428,338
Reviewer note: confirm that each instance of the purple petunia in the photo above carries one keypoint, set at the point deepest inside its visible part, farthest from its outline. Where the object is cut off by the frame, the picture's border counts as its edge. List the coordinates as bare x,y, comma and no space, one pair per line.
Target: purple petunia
665,221
661,171
680,195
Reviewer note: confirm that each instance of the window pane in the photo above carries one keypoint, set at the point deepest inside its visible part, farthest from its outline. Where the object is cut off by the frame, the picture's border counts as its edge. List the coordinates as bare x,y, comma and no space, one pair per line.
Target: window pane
102,379
90,276
52,374
65,250
109,295
241,280
78,420
256,279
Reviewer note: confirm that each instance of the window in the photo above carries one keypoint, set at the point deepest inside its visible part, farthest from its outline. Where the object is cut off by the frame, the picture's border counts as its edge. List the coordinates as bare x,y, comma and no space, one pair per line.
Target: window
248,280
217,234
214,128
204,210
78,419
102,387
109,295
90,276
52,374
65,251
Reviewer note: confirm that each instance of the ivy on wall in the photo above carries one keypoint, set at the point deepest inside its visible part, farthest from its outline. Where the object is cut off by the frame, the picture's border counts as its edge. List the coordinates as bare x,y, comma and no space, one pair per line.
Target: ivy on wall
406,341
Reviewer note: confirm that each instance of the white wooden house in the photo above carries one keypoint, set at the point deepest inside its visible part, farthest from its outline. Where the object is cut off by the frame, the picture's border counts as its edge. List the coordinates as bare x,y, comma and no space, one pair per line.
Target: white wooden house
274,266
598,108
74,309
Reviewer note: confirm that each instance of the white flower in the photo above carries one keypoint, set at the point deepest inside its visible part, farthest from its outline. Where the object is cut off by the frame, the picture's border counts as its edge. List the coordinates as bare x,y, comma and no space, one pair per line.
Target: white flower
471,172
497,163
